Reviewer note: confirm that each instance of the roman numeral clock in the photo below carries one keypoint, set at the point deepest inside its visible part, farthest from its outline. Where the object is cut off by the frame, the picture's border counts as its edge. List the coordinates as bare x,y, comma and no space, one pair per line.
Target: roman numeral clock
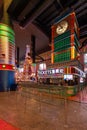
65,34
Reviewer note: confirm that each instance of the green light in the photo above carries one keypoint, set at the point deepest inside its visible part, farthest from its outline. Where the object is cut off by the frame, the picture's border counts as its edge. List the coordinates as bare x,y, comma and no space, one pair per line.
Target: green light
11,41
33,64
4,33
6,28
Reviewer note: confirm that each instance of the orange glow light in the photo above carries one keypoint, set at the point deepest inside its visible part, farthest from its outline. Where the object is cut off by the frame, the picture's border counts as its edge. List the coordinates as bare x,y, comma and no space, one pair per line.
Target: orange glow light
72,53
3,66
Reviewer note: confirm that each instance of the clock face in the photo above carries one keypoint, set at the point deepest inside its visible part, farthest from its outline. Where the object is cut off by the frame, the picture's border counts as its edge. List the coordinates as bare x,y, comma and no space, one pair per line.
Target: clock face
62,27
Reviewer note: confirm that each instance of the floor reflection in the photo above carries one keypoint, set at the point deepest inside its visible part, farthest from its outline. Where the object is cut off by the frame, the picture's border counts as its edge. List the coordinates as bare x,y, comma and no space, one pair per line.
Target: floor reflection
30,110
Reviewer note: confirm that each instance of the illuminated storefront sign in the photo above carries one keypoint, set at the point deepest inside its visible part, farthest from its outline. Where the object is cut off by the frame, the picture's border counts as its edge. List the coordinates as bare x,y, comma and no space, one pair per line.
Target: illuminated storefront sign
51,71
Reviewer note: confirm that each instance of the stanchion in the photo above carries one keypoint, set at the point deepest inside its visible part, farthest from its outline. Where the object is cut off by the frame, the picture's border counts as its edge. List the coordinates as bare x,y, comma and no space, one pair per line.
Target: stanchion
39,101
66,107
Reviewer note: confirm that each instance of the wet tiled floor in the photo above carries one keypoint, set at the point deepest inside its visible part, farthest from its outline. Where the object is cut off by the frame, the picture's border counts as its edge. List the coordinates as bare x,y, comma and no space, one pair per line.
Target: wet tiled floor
80,97
34,111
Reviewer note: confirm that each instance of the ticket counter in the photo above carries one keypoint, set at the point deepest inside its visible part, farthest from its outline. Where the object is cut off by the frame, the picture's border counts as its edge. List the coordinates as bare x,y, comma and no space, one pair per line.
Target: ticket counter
67,78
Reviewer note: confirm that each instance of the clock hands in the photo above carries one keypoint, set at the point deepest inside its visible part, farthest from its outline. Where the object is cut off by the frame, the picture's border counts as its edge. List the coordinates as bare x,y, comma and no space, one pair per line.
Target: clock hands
62,27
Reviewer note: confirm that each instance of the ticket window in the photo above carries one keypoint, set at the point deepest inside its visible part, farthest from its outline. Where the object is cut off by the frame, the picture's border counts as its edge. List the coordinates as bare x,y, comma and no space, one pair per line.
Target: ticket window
69,80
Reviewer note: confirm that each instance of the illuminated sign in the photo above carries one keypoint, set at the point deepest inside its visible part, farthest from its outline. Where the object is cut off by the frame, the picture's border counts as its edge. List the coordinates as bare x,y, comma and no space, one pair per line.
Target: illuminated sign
85,69
42,66
51,71
59,70
85,58
68,77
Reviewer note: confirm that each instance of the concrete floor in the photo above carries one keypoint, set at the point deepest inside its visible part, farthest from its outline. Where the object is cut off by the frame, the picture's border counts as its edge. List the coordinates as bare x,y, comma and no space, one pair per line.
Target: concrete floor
29,110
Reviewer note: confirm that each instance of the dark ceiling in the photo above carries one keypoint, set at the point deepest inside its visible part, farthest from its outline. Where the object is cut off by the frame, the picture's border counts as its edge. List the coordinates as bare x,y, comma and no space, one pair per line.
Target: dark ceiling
44,13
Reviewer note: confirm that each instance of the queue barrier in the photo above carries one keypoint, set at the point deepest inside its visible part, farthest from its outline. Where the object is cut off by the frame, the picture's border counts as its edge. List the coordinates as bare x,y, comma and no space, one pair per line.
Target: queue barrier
52,89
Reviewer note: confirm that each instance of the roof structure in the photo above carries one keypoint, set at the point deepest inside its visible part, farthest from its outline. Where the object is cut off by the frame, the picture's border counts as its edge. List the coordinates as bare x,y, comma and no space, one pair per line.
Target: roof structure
41,15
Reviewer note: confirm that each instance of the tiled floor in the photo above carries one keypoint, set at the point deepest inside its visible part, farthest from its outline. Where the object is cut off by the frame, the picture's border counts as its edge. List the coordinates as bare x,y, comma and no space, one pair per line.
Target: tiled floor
34,111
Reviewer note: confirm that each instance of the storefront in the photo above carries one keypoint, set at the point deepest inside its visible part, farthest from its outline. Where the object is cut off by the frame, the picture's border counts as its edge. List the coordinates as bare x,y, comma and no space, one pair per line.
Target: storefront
69,77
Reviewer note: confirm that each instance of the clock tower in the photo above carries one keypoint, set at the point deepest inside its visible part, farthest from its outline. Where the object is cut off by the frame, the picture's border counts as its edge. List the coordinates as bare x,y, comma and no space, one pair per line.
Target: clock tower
65,35
65,53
